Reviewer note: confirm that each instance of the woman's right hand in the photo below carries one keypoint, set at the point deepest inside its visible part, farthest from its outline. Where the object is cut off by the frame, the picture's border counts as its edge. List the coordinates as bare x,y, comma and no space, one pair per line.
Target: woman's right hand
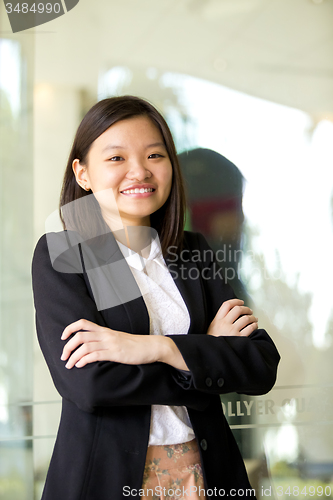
233,319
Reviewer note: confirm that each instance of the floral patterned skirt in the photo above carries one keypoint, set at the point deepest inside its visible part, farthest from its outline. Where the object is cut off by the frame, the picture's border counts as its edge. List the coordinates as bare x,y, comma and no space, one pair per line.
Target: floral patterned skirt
173,472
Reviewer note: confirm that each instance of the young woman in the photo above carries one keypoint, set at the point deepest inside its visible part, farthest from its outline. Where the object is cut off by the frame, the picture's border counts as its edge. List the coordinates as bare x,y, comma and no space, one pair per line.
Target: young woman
139,330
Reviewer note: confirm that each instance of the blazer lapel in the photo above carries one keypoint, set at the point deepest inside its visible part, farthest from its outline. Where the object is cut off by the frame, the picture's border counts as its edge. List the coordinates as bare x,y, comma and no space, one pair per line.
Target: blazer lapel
186,276
114,287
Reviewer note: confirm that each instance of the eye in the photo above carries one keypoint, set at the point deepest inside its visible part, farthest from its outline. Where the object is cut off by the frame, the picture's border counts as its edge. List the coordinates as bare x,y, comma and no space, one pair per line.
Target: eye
116,158
155,155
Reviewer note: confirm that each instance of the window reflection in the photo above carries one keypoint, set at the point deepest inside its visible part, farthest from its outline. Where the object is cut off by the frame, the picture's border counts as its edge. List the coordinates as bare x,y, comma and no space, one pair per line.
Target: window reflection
282,163
16,364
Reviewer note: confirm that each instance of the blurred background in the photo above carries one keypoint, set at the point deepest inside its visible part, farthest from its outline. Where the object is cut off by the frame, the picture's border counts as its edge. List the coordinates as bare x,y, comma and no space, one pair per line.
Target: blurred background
247,89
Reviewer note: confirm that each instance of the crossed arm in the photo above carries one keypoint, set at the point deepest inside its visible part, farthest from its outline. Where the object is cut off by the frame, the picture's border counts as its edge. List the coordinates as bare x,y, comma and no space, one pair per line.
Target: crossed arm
110,368
92,342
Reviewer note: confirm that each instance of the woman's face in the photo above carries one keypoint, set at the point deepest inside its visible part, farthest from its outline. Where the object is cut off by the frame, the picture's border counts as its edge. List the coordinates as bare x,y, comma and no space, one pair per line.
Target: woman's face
128,168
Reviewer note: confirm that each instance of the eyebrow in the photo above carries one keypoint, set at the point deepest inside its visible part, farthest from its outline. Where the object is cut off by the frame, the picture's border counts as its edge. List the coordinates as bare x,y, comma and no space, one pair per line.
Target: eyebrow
114,146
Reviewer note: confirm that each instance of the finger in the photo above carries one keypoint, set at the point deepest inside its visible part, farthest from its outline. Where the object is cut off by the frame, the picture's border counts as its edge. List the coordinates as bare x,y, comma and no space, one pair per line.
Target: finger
248,329
244,321
227,306
90,358
86,349
81,324
78,339
238,311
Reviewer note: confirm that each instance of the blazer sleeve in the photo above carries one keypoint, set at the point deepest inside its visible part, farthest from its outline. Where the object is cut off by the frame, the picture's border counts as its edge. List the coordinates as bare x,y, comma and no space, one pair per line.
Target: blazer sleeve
60,299
224,364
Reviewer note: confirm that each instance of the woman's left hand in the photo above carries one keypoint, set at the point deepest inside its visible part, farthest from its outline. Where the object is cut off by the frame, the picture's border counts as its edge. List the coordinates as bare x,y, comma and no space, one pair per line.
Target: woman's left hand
92,342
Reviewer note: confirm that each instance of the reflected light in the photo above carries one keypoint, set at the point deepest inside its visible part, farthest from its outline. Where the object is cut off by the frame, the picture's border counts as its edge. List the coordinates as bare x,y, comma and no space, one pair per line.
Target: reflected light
282,444
10,73
151,73
111,82
44,94
289,409
3,405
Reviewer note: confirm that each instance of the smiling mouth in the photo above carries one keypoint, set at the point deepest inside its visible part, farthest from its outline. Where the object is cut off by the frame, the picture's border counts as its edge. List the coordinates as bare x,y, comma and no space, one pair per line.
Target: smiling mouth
138,191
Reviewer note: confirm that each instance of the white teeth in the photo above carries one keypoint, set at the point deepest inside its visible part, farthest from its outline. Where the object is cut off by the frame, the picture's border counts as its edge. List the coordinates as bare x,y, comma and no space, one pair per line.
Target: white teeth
138,190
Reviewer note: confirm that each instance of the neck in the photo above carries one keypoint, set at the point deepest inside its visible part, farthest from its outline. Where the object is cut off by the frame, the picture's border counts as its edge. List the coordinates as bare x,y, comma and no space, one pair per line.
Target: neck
136,235
137,238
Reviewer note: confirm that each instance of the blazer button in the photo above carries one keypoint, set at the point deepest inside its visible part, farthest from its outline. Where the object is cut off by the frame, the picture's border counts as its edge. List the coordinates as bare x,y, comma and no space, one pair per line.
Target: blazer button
209,382
203,444
220,382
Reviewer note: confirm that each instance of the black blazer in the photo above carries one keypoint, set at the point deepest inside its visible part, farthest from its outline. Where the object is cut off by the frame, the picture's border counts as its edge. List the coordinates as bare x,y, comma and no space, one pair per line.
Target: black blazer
104,429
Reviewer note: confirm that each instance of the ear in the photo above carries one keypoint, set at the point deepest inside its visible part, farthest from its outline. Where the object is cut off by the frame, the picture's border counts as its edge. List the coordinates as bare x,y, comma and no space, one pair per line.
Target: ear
80,172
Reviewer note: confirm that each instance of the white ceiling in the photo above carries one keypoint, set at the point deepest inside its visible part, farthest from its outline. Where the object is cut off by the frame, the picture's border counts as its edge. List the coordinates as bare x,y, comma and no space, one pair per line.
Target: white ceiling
280,50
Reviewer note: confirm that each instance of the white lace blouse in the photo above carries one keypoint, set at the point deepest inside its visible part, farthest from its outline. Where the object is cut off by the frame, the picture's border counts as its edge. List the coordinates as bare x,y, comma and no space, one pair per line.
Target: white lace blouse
168,314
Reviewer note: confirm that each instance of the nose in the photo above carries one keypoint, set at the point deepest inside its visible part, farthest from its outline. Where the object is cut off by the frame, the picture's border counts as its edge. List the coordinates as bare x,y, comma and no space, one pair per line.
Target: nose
138,171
